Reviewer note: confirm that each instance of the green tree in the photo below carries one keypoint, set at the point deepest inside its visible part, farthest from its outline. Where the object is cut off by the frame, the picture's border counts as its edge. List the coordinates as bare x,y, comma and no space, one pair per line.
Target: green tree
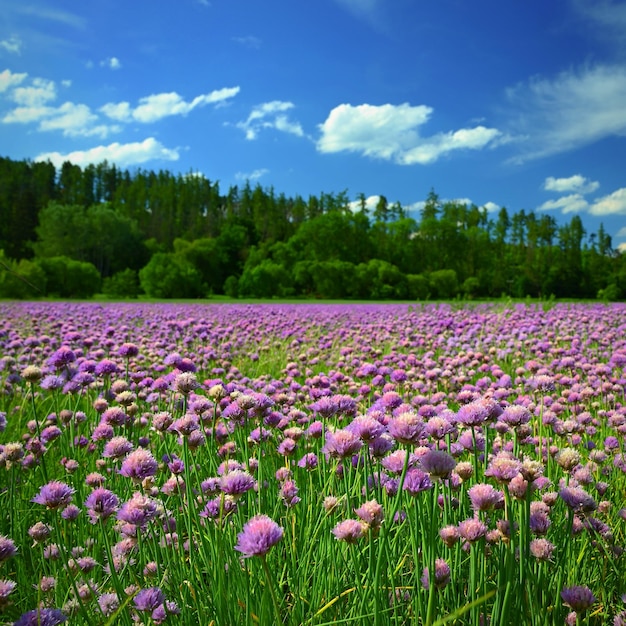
169,275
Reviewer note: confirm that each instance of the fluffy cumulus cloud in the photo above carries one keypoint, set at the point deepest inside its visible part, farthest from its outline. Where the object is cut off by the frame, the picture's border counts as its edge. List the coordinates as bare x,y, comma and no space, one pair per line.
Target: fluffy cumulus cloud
576,183
8,80
572,203
391,132
573,109
34,103
612,204
158,106
270,115
122,154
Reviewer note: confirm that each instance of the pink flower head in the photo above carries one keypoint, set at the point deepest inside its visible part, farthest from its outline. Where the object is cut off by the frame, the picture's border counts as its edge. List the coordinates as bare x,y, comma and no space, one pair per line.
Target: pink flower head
138,465
54,495
258,536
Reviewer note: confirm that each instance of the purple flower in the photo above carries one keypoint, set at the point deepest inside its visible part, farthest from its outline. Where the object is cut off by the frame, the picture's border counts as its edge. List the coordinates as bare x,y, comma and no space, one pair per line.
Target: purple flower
406,427
541,549
101,503
350,530
342,443
442,575
579,597
258,536
7,587
139,465
416,481
578,499
371,513
7,548
109,603
503,467
54,495
473,414
149,599
237,482
117,447
484,497
41,617
366,428
472,529
437,463
139,510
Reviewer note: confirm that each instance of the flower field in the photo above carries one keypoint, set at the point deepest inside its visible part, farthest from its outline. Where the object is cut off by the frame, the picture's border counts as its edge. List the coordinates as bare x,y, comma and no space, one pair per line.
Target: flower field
312,464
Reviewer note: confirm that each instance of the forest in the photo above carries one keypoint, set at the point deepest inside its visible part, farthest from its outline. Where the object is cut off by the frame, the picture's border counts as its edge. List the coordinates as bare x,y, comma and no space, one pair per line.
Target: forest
76,232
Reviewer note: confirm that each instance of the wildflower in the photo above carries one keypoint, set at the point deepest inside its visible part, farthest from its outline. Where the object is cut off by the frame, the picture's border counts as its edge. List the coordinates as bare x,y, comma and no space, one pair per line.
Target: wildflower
109,603
289,493
101,503
342,444
406,427
330,503
503,467
185,383
371,513
41,617
473,414
541,549
485,497
139,465
366,428
442,575
237,482
117,447
149,599
449,535
308,461
437,463
579,597
70,512
568,458
39,532
54,495
416,481
578,499
472,529
258,536
7,548
7,587
138,511
350,530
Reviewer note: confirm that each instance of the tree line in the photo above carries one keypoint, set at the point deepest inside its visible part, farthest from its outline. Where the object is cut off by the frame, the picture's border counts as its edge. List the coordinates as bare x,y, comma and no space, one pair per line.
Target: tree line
74,232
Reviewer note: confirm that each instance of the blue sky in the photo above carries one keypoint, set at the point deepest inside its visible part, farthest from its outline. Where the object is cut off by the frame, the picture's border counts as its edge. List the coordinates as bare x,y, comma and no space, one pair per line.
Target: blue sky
516,104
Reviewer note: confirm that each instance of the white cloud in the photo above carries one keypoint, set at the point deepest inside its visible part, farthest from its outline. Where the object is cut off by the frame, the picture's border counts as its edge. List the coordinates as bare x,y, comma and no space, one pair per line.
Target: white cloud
254,175
40,92
391,132
576,183
112,63
157,106
270,115
370,204
8,80
122,155
491,207
119,111
13,45
613,204
572,110
574,203
75,120
621,232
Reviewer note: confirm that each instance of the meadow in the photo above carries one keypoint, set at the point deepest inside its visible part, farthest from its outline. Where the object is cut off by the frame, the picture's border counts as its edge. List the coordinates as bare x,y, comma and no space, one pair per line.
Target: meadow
312,464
